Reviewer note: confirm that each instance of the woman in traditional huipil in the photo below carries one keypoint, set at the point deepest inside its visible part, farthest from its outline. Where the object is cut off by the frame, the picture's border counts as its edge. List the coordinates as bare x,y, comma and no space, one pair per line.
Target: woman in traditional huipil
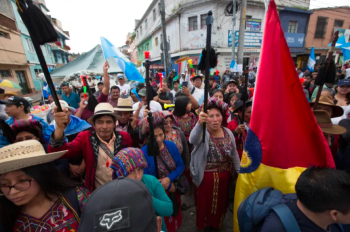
212,177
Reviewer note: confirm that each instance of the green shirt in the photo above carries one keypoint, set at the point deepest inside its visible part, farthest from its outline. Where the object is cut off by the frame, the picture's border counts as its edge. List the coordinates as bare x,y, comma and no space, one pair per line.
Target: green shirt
161,202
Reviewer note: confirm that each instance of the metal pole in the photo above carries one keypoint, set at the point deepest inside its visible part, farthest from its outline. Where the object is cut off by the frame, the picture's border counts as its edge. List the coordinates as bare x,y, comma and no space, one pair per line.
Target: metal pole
240,49
209,22
165,42
233,29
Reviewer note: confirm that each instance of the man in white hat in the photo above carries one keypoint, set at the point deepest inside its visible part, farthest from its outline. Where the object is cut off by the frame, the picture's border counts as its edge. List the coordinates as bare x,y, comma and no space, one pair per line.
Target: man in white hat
127,122
97,148
124,88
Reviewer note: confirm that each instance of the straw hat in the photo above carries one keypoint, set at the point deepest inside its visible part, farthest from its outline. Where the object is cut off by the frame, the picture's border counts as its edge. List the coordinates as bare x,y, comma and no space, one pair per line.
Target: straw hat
11,93
326,125
25,154
103,109
64,105
326,100
124,104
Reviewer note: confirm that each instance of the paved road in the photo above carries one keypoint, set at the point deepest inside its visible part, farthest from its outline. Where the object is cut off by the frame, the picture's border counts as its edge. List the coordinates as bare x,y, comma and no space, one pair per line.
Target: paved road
189,218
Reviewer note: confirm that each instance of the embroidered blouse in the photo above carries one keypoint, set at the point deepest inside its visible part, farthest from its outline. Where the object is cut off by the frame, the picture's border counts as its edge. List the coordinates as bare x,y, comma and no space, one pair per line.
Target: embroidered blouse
175,138
57,219
168,159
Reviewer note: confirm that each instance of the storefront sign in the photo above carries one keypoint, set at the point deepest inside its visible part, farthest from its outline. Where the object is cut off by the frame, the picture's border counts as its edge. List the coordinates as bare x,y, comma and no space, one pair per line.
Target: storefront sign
295,40
156,66
251,39
253,25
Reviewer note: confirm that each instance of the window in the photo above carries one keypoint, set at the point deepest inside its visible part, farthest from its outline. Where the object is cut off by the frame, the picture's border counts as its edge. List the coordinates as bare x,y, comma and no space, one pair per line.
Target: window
156,41
141,30
321,27
4,35
246,18
192,23
203,21
30,45
5,73
147,47
338,23
154,15
48,51
292,27
146,24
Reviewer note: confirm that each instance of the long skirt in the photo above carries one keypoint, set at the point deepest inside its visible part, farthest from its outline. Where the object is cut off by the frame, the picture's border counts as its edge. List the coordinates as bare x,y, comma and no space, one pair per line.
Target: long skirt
174,223
211,199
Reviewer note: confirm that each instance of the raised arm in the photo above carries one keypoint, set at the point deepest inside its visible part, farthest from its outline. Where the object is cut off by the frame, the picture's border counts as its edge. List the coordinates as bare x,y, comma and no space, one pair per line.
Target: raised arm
106,83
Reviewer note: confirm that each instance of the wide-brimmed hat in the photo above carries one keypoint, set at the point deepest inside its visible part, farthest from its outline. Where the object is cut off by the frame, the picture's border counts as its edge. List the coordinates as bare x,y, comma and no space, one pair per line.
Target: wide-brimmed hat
103,109
326,125
11,93
127,160
326,100
124,104
25,154
239,104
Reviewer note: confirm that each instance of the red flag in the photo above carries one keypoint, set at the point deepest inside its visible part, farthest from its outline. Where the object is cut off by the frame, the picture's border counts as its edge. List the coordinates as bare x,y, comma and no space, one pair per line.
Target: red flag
284,137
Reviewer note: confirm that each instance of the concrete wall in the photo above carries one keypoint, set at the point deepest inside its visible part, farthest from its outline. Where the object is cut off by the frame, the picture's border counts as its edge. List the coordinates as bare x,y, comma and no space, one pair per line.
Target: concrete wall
341,14
6,8
27,73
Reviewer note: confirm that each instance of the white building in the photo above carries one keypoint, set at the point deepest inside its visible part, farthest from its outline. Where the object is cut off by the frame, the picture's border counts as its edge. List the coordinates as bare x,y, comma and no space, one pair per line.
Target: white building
186,30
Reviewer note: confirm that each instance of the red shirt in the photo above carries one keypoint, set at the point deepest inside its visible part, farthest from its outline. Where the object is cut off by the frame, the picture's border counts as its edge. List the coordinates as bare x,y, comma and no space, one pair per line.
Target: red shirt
240,139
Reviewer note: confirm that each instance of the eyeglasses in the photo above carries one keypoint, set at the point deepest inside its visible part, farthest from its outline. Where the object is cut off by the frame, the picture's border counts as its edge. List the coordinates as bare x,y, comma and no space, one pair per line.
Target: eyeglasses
20,186
25,138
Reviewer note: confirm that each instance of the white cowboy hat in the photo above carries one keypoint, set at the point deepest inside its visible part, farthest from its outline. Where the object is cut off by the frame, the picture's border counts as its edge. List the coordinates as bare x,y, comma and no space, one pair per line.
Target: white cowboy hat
103,109
124,104
25,154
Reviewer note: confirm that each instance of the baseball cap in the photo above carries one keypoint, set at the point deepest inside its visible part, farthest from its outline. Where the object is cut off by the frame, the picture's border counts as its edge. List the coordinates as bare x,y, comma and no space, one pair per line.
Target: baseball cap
232,81
195,77
344,82
140,85
121,76
123,205
239,104
16,100
142,93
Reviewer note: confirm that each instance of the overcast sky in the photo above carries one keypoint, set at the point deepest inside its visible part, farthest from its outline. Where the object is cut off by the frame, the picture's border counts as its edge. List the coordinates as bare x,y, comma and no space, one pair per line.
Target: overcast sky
87,20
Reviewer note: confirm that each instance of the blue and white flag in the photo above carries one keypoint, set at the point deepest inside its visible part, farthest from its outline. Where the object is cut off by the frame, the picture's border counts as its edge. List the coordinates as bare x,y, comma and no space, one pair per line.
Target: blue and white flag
233,66
346,53
124,63
312,60
340,42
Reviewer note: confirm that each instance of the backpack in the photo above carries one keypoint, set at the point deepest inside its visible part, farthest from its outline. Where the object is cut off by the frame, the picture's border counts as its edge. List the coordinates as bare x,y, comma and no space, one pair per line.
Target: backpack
253,210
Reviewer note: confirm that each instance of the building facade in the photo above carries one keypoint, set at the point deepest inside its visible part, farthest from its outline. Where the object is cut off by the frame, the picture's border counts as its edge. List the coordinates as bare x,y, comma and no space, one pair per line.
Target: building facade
322,25
56,54
186,30
13,61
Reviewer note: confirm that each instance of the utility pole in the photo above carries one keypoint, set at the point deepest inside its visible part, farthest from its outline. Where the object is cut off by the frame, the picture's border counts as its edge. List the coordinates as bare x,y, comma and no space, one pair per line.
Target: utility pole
165,42
241,33
233,29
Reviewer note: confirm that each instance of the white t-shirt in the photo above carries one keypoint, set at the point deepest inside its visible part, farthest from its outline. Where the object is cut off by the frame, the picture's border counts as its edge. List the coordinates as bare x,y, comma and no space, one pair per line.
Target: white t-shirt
126,88
155,107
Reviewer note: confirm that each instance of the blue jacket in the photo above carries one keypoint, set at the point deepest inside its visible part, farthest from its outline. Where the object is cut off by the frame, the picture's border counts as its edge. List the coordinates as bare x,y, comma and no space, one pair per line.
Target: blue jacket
75,126
176,156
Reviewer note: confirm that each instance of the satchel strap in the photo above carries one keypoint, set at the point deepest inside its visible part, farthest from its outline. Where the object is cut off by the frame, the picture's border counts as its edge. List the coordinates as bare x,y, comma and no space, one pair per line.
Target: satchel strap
106,150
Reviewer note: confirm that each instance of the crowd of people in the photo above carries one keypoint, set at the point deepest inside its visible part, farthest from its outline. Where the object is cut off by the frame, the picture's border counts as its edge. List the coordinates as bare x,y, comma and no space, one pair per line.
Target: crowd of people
100,164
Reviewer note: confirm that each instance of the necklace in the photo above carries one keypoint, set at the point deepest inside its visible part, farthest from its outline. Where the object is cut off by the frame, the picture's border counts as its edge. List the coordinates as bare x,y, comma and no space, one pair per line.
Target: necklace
30,221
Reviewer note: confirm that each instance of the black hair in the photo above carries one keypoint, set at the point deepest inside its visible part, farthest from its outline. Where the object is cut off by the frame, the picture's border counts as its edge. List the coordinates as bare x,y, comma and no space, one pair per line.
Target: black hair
307,75
114,87
180,106
101,115
218,90
159,125
25,109
238,95
180,94
53,183
81,91
224,120
99,83
177,81
322,189
64,85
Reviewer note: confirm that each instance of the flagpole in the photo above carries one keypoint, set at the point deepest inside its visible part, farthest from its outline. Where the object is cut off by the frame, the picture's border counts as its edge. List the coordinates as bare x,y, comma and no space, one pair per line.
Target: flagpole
209,22
321,77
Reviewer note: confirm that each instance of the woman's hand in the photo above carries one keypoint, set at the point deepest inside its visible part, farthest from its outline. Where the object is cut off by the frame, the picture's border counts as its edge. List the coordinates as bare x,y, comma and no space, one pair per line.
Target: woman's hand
165,182
240,129
82,104
203,118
